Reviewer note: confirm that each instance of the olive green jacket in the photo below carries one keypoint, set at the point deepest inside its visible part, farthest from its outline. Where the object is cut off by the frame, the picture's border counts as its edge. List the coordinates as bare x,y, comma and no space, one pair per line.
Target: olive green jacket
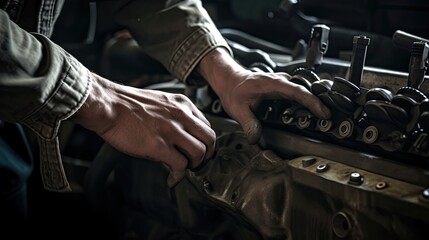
42,85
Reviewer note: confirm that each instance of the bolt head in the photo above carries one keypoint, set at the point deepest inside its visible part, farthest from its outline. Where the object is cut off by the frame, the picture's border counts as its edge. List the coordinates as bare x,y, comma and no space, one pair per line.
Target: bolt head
425,193
322,168
381,185
356,178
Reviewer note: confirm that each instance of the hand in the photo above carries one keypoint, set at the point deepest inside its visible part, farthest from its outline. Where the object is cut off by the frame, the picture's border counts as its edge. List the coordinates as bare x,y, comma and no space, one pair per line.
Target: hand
149,124
241,90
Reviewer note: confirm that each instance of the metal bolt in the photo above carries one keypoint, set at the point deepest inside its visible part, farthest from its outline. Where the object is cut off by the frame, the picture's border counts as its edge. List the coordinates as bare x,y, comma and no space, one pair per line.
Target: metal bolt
287,116
356,179
425,193
345,129
322,168
370,135
217,106
324,125
308,161
381,185
304,122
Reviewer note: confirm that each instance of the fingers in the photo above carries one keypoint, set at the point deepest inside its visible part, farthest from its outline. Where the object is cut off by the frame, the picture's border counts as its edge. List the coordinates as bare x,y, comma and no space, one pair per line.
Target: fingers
257,87
206,135
193,130
177,163
190,105
310,101
190,137
285,75
300,94
196,144
177,159
250,125
189,151
197,113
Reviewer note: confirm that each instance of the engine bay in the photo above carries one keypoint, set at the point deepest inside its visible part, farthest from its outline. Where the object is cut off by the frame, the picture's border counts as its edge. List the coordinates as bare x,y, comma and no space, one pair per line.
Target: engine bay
349,177
363,174
360,175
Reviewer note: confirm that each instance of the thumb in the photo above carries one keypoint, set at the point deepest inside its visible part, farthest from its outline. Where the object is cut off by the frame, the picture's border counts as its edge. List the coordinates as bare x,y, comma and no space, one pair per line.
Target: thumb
251,126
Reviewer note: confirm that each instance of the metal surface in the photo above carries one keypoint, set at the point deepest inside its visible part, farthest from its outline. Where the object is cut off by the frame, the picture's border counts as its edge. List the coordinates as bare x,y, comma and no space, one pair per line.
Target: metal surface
360,46
291,145
363,174
308,197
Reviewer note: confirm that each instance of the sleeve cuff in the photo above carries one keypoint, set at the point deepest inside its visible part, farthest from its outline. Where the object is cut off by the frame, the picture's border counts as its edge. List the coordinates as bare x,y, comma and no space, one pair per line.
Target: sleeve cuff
193,49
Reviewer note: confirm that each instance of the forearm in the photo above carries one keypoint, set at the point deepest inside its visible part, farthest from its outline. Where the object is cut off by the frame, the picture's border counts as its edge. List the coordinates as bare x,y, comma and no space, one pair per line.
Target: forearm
97,110
40,86
220,70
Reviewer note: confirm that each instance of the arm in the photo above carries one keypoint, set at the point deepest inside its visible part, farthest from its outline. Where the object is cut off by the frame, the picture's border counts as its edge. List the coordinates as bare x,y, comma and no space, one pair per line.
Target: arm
41,85
149,124
182,36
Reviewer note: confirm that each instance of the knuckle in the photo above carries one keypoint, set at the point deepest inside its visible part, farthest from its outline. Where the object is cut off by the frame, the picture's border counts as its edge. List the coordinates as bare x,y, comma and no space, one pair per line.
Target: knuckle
284,75
299,91
199,156
178,112
212,139
178,97
156,144
202,150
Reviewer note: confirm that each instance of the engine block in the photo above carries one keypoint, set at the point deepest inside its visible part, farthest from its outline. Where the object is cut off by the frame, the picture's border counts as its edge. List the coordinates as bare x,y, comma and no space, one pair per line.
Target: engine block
363,174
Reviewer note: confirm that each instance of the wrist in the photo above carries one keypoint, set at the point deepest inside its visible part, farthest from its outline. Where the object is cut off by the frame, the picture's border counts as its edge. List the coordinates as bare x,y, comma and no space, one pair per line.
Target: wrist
96,109
220,70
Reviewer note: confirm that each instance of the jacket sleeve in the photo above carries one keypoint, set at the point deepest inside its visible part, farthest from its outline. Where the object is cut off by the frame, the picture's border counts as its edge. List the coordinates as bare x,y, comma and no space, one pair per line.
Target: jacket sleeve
40,85
176,33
